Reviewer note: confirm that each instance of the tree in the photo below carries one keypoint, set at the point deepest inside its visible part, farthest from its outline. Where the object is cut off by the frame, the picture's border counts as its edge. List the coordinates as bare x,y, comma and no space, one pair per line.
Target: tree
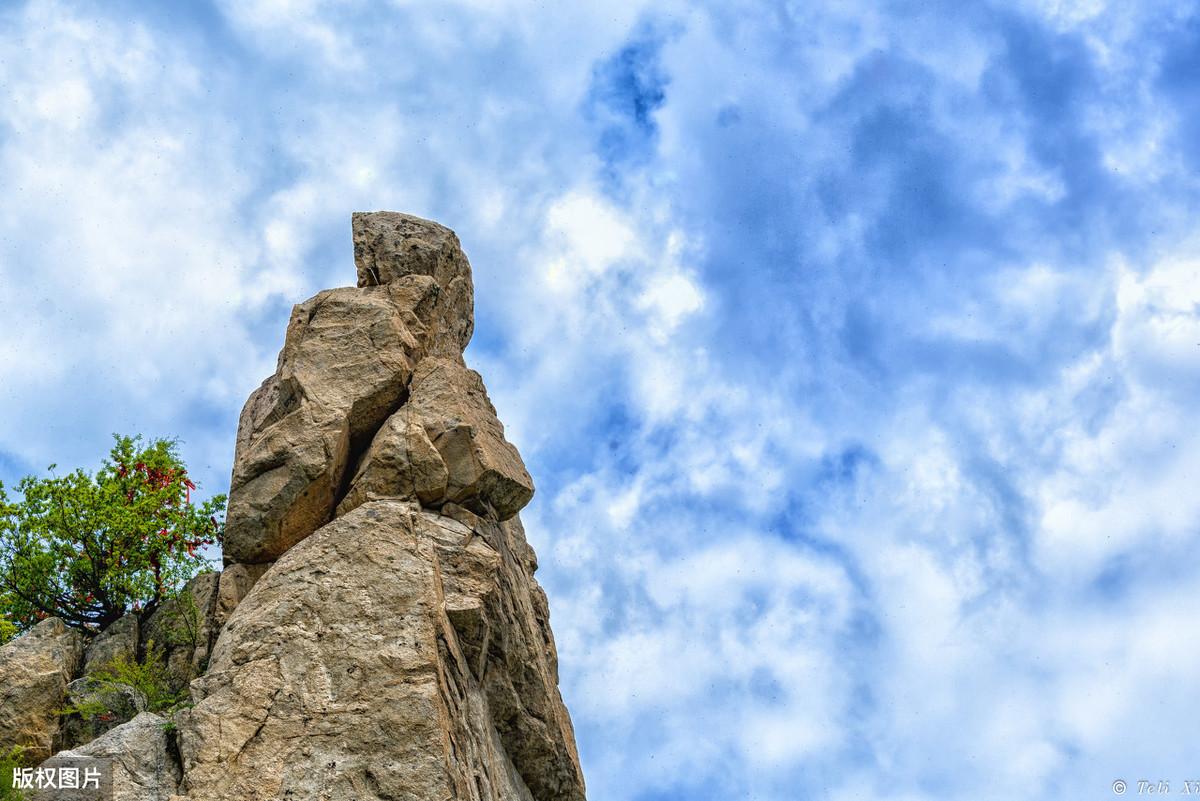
89,548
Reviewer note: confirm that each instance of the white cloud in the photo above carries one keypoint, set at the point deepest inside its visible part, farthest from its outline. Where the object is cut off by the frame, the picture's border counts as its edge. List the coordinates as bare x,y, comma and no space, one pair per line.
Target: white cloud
738,602
128,274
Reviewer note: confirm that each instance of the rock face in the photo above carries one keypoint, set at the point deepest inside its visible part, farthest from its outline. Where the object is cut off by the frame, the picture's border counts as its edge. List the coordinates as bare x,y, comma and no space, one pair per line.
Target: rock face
118,641
134,760
34,672
381,634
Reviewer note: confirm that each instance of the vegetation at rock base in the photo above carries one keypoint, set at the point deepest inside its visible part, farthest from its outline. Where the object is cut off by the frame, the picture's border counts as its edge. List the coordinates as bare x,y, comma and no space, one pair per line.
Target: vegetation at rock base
8,763
149,679
8,629
89,547
183,621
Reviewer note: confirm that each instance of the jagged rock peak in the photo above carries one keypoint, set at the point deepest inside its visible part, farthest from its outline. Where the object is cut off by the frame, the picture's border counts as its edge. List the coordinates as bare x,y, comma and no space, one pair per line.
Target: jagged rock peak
389,245
346,366
378,632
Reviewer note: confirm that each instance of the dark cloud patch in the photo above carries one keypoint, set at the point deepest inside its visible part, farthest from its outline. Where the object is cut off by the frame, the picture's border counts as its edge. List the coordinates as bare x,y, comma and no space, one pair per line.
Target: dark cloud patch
627,88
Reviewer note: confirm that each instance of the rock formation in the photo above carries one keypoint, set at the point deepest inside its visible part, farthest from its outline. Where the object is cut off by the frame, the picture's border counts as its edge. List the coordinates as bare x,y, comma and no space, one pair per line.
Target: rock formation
135,761
377,632
34,673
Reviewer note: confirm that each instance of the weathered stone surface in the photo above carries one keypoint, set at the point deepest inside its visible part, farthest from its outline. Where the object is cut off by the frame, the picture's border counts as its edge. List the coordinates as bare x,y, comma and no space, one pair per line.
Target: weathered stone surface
388,246
401,463
139,753
484,471
341,676
234,584
118,640
35,669
344,368
501,617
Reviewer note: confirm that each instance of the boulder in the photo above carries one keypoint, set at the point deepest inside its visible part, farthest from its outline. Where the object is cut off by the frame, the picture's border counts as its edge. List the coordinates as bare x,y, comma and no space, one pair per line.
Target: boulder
484,471
35,669
135,762
401,463
389,246
341,676
445,445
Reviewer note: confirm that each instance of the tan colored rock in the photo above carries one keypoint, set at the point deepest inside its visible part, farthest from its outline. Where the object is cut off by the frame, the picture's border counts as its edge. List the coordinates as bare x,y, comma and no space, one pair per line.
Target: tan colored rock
235,583
341,675
344,368
377,633
401,463
389,246
501,617
134,759
35,669
485,472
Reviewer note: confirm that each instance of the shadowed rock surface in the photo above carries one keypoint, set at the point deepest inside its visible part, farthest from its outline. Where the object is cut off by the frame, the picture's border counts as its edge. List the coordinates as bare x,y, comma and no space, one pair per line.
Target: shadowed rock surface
118,641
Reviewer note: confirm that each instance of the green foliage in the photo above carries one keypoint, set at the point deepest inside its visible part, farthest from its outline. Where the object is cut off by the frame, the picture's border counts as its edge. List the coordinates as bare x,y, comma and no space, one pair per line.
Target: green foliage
89,547
8,629
150,678
9,761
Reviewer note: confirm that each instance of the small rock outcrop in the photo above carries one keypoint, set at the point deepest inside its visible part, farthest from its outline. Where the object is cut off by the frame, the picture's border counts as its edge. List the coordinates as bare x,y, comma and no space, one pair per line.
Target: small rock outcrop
444,444
35,670
134,762
119,641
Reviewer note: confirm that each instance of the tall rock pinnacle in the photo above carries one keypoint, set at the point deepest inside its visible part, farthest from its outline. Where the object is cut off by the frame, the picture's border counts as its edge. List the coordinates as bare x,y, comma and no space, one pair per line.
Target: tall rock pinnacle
397,645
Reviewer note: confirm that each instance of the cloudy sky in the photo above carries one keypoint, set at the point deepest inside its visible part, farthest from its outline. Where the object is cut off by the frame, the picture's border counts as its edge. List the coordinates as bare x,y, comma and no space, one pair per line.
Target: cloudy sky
854,346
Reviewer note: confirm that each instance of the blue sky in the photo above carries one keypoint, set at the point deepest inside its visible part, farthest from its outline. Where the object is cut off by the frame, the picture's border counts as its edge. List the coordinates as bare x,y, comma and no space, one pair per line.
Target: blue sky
854,347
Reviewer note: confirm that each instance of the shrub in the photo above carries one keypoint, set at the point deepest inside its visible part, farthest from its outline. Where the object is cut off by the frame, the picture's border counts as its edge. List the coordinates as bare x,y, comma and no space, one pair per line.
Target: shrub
149,679
8,763
8,629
